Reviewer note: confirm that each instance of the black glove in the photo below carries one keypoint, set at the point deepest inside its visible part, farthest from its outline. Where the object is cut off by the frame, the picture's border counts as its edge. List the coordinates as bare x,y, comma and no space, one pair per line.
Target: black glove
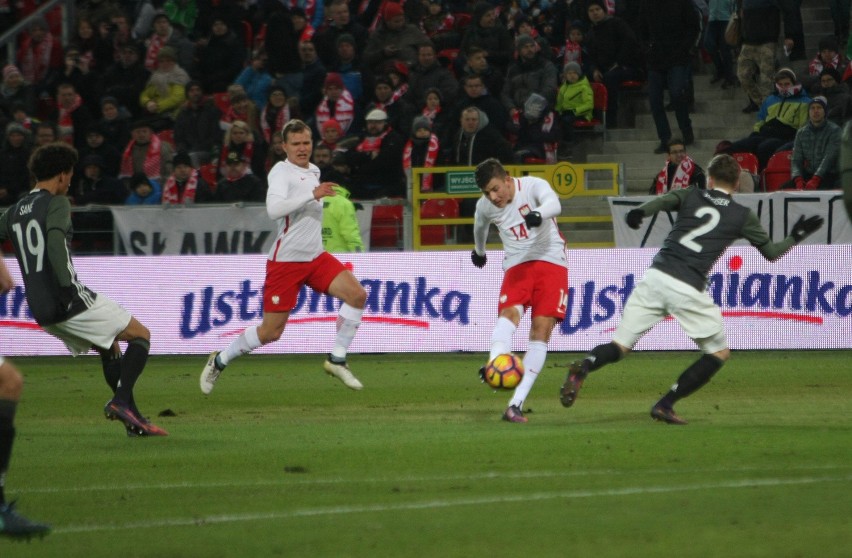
478,261
533,219
634,218
804,227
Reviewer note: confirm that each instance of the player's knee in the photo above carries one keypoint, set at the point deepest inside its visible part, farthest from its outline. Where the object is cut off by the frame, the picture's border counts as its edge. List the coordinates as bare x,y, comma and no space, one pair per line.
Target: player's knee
723,355
11,382
358,299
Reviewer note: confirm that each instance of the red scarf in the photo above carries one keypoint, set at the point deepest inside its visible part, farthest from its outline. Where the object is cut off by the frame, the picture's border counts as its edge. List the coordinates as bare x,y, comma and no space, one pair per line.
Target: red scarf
281,118
171,194
682,176
431,156
372,143
550,148
395,96
344,111
151,166
35,58
573,53
156,43
65,123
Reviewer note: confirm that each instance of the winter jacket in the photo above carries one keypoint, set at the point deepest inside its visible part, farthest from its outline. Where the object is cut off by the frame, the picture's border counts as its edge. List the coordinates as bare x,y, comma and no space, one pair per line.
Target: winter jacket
612,42
816,150
780,117
577,98
524,78
671,29
340,230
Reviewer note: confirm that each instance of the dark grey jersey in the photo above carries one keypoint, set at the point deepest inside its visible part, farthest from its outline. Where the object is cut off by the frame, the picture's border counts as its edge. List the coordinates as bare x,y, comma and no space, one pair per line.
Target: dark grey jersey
39,227
708,221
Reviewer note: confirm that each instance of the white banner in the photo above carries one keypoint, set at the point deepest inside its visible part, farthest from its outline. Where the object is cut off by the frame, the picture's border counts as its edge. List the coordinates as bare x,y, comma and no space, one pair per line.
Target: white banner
439,302
204,229
777,211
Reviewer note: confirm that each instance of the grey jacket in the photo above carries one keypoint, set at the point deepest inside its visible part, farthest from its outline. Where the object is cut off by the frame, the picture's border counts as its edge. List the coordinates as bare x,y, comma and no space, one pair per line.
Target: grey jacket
816,150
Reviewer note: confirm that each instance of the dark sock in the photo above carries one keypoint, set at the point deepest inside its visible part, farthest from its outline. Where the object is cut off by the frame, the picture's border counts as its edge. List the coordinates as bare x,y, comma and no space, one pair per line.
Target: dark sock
692,379
7,436
132,364
335,359
601,356
112,368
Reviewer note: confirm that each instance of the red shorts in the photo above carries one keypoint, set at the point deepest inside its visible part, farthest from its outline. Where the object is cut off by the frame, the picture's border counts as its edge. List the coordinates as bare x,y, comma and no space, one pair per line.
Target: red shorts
542,286
284,280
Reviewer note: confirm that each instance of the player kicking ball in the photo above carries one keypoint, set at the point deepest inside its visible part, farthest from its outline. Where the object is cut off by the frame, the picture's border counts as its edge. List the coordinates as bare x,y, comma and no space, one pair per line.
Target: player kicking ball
297,258
535,265
708,222
39,226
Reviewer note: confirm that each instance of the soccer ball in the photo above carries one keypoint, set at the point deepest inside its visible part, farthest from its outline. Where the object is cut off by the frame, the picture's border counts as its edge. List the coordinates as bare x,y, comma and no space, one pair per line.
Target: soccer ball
504,372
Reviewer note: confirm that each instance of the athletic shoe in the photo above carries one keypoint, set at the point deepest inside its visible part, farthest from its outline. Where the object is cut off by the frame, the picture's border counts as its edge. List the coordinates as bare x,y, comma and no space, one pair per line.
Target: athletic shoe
340,371
666,414
210,374
482,374
514,414
573,382
14,525
118,410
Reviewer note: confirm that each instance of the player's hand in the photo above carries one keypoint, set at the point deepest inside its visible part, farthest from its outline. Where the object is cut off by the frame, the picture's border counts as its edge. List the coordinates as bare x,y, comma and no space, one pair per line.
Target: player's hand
634,218
799,183
324,189
533,219
6,281
805,227
478,261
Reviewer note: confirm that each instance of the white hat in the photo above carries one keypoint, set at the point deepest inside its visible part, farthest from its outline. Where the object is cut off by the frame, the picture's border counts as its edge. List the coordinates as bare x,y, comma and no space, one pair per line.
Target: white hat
376,115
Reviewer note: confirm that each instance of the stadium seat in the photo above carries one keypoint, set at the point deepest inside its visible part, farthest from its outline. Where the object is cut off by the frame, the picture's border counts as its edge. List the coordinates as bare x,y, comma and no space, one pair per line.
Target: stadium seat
631,85
434,235
260,38
748,161
222,101
461,21
448,56
598,123
167,136
208,173
386,227
777,171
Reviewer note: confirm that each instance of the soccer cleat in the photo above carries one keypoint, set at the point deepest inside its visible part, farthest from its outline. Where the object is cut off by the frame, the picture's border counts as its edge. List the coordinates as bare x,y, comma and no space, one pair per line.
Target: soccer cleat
482,374
514,414
17,526
340,371
666,414
573,382
117,410
210,374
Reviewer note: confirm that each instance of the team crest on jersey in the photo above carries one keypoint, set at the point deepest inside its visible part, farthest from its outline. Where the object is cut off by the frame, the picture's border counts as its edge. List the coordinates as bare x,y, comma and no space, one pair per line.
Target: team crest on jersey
502,298
525,209
275,299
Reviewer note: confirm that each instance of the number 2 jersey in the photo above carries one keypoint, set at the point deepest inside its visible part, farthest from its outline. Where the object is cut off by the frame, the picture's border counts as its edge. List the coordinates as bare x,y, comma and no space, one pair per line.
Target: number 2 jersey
521,243
708,221
39,226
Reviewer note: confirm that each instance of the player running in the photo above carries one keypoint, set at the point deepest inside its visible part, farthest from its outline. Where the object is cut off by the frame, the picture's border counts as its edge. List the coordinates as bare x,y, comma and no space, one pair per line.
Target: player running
297,258
39,226
535,265
708,221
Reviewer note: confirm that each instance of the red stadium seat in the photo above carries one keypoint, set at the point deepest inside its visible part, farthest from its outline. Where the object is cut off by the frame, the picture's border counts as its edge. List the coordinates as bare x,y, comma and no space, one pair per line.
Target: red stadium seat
222,101
167,136
386,227
598,123
748,161
434,235
462,21
208,173
777,171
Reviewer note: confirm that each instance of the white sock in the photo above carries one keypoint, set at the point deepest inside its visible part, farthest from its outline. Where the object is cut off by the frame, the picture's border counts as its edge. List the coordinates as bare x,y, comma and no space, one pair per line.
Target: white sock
533,363
348,320
246,342
501,338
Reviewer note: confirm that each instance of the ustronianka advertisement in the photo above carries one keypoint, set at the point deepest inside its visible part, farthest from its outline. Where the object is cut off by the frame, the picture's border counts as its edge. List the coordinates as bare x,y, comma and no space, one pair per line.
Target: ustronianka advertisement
440,302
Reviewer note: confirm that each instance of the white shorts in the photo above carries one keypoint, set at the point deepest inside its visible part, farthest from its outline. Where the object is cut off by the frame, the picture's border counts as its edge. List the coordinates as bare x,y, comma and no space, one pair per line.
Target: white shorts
659,295
98,326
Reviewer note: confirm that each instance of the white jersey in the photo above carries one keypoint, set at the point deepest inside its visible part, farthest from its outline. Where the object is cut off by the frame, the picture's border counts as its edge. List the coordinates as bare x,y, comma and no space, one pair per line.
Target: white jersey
290,202
521,243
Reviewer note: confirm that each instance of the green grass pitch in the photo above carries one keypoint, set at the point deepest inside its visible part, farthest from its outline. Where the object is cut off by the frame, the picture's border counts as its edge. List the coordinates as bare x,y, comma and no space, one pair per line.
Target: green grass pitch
282,460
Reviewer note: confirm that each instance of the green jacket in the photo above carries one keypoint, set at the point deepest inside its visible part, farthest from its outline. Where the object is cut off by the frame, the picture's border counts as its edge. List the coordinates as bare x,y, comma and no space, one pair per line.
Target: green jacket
576,97
340,231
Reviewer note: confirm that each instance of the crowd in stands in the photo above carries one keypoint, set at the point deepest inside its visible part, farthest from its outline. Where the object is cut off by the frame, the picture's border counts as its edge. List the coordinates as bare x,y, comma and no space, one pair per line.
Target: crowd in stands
179,101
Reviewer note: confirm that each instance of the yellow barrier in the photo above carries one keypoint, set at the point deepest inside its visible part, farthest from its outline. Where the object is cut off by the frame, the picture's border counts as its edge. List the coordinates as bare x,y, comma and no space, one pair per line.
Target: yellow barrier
568,180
